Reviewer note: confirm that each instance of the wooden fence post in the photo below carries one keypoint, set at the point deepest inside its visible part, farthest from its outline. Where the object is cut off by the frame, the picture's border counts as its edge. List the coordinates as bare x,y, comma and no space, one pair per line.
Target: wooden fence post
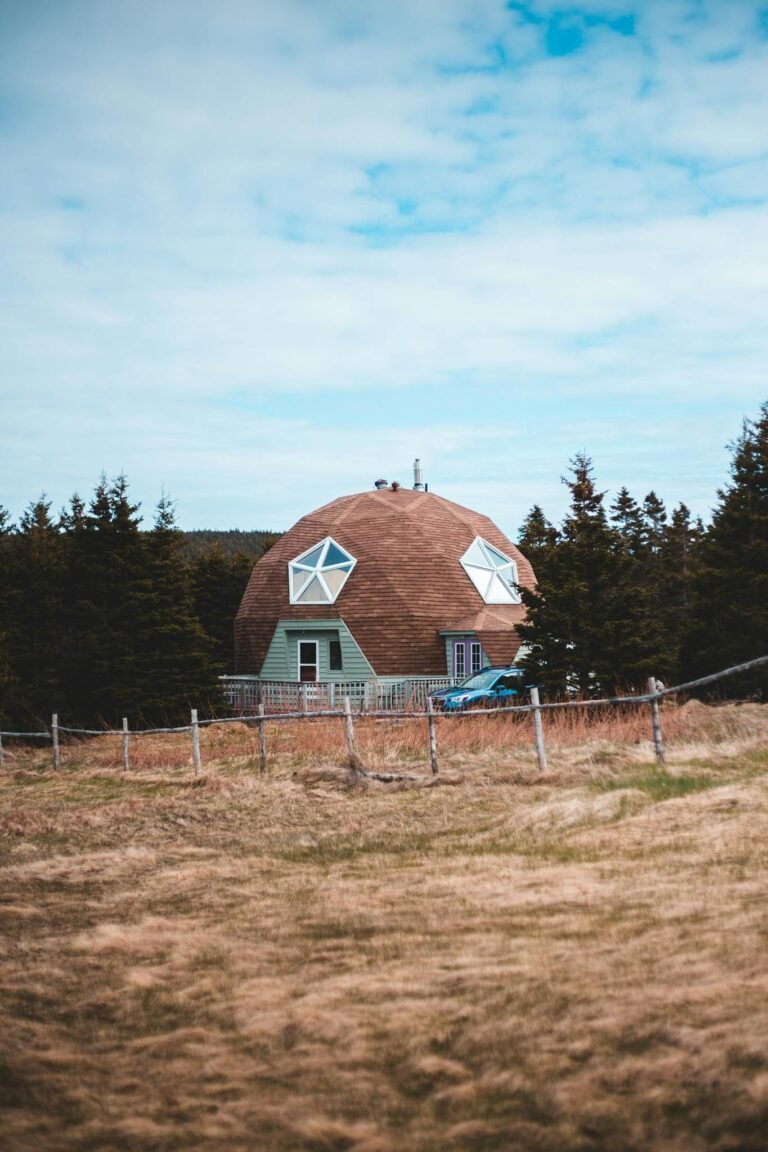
432,736
126,762
262,741
658,742
349,725
195,741
55,741
538,731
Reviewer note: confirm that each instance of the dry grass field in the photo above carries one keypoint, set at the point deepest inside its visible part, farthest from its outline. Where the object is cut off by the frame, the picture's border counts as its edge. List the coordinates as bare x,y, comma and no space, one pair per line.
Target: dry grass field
499,960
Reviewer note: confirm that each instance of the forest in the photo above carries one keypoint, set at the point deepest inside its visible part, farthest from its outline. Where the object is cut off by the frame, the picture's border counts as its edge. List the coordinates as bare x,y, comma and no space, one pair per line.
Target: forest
630,591
101,618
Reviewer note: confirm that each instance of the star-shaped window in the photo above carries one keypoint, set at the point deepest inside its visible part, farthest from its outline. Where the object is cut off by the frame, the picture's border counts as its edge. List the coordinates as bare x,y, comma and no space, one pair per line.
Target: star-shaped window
320,573
493,573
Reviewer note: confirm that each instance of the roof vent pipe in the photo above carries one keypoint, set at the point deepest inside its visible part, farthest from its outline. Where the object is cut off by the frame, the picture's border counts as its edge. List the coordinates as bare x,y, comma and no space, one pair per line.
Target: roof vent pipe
379,484
418,479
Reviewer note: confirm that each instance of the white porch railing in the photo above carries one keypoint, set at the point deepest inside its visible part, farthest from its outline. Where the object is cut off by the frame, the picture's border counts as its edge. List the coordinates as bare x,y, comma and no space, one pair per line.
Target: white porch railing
243,694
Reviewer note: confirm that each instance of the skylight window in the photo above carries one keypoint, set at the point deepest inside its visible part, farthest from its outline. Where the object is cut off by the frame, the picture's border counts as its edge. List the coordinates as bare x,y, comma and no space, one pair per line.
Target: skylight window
492,572
320,573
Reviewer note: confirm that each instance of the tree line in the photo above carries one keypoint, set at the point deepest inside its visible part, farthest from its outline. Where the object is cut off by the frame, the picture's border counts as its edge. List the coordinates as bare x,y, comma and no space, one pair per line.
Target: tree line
629,591
100,619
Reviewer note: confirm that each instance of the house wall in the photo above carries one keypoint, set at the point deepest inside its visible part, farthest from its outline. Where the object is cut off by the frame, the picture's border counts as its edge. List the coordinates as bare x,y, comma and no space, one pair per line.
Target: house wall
281,662
407,587
467,636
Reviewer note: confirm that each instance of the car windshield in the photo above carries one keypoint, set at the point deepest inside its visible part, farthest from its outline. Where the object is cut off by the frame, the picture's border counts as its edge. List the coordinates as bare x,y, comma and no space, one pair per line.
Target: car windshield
482,679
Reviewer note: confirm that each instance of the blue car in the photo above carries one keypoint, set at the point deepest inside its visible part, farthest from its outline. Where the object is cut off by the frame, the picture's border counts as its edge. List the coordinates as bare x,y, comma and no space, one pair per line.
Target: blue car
487,688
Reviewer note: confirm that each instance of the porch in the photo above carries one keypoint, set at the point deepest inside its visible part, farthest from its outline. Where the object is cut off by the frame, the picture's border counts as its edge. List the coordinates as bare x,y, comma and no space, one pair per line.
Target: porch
243,694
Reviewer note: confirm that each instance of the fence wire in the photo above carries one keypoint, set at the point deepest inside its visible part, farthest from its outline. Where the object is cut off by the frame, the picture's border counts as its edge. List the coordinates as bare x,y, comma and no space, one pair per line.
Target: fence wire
393,715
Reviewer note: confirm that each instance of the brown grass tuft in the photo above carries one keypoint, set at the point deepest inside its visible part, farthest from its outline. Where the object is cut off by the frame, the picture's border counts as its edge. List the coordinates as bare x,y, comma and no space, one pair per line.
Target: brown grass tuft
564,961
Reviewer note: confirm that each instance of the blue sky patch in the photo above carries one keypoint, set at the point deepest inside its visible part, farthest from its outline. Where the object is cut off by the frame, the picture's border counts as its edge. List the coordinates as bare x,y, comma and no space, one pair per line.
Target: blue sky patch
563,37
565,29
314,241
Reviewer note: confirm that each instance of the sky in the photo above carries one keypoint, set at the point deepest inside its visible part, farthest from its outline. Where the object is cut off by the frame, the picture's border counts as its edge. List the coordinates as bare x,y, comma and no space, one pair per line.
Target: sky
260,253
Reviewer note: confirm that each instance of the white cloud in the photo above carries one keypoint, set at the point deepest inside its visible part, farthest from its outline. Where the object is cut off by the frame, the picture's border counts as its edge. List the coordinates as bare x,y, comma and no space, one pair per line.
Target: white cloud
375,217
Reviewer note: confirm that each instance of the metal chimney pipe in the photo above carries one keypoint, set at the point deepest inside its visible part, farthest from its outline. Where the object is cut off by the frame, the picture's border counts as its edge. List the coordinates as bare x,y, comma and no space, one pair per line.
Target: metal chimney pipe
418,479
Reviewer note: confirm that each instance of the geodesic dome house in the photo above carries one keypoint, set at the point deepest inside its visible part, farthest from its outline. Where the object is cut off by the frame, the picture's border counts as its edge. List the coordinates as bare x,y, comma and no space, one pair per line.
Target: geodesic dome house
387,584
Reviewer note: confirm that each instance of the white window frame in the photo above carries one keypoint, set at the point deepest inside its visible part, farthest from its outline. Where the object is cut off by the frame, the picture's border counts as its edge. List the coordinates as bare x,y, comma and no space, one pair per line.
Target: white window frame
315,571
496,582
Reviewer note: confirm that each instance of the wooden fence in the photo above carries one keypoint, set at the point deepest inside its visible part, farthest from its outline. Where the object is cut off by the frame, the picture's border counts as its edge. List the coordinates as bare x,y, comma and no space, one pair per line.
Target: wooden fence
654,694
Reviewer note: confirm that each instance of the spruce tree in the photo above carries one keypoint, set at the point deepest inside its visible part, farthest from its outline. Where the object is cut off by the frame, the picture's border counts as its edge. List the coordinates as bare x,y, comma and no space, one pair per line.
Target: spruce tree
35,632
107,585
678,558
645,644
628,519
574,615
635,599
175,655
729,595
654,519
7,584
537,537
219,582
545,652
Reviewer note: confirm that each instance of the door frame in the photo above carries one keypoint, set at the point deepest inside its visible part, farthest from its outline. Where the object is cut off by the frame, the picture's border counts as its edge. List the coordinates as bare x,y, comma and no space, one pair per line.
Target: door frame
466,645
300,664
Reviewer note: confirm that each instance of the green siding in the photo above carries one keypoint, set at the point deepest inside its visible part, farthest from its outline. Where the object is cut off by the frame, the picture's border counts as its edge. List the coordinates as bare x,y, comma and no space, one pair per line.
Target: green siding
275,666
281,662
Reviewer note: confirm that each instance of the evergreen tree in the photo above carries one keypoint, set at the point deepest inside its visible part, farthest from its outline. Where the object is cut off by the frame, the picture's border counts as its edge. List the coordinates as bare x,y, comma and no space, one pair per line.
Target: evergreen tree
654,520
645,644
99,619
573,616
634,593
628,519
600,619
219,582
537,537
729,594
175,655
34,628
107,588
232,542
678,557
8,682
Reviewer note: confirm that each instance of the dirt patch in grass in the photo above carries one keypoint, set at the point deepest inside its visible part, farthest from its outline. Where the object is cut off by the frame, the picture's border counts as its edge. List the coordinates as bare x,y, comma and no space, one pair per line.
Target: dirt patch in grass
574,960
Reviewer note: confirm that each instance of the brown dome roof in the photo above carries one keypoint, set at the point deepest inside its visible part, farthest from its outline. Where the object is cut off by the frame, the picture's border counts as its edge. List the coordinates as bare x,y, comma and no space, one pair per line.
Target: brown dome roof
408,584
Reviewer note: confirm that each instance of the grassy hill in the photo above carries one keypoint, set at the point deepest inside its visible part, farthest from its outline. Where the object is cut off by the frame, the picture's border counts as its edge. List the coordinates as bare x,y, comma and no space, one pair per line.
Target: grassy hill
232,542
497,960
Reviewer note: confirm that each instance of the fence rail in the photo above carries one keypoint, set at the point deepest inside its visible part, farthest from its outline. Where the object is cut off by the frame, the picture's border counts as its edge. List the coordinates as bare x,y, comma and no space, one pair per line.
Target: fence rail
245,693
324,708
